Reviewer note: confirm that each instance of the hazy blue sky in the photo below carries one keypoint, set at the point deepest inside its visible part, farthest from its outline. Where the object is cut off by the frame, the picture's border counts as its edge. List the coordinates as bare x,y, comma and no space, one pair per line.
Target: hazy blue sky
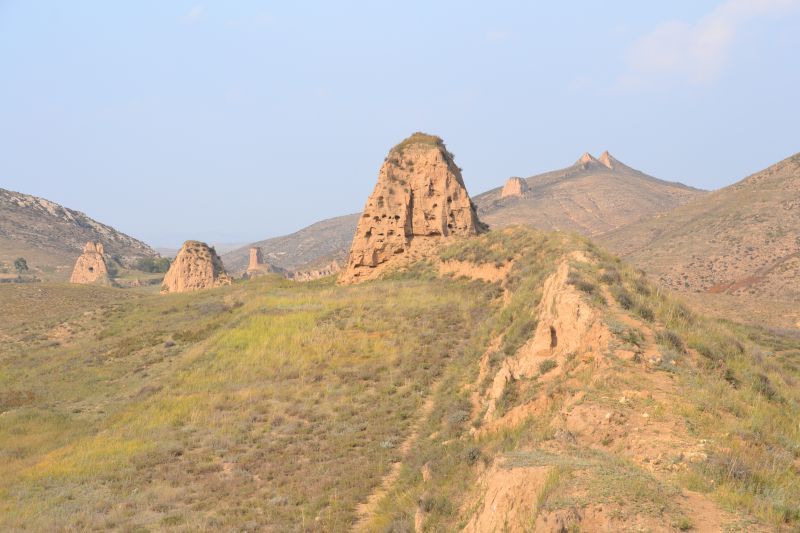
234,121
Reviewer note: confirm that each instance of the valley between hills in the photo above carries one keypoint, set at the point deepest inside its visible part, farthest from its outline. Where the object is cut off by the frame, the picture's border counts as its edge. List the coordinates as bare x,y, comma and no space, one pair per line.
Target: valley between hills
572,351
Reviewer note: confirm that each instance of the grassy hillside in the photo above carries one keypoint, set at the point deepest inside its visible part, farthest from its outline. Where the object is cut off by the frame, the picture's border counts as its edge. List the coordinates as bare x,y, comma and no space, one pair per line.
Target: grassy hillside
741,240
266,403
569,391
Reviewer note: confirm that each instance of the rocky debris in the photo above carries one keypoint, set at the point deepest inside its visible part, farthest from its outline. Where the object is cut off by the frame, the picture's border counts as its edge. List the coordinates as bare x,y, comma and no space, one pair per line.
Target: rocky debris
514,187
197,266
310,275
420,196
91,266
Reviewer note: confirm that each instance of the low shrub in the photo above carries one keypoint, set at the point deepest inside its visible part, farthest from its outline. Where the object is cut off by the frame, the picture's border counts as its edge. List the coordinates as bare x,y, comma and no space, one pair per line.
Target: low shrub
547,365
671,339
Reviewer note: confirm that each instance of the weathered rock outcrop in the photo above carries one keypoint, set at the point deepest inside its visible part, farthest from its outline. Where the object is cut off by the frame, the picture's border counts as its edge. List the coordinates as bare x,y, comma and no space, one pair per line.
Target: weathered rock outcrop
420,196
91,266
514,187
197,266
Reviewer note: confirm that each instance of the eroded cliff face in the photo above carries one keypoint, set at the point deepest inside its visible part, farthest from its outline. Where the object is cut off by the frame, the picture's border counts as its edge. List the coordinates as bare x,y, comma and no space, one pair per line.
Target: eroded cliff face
197,266
420,196
91,266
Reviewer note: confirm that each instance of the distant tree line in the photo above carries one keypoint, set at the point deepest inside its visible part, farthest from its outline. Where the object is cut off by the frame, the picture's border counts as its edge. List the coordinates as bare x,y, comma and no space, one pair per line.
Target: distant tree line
153,264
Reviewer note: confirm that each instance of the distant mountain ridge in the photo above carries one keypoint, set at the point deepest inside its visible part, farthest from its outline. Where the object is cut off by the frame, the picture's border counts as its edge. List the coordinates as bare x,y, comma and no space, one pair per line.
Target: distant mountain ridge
52,236
591,196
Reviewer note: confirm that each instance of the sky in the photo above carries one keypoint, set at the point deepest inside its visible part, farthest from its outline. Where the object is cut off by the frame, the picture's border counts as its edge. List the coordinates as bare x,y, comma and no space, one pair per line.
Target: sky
237,121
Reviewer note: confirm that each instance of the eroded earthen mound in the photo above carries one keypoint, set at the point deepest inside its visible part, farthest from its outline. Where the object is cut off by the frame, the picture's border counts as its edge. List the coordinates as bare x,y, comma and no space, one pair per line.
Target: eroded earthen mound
91,266
197,266
514,187
420,196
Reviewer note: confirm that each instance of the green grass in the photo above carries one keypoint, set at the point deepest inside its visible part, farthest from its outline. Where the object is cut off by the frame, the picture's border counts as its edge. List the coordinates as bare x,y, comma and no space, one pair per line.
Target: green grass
215,409
272,404
744,397
419,138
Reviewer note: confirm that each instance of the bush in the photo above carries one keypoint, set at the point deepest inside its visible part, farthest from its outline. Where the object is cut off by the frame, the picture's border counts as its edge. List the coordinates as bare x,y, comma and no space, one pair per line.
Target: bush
641,287
646,313
21,265
473,455
763,386
611,277
623,298
547,365
671,339
153,264
581,284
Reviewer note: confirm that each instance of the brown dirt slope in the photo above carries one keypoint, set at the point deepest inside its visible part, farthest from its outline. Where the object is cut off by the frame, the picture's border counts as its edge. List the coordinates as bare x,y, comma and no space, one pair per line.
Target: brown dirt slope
743,240
51,236
590,197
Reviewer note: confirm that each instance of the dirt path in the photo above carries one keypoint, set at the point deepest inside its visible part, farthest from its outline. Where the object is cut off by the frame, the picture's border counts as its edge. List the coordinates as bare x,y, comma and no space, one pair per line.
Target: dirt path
366,510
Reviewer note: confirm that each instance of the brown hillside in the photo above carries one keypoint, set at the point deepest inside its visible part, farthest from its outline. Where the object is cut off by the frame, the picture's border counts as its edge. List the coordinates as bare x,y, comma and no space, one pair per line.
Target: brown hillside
743,240
51,236
592,196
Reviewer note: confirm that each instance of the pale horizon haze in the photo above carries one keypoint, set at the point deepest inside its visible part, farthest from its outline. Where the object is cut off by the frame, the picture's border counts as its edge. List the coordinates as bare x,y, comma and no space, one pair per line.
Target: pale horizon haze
234,122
